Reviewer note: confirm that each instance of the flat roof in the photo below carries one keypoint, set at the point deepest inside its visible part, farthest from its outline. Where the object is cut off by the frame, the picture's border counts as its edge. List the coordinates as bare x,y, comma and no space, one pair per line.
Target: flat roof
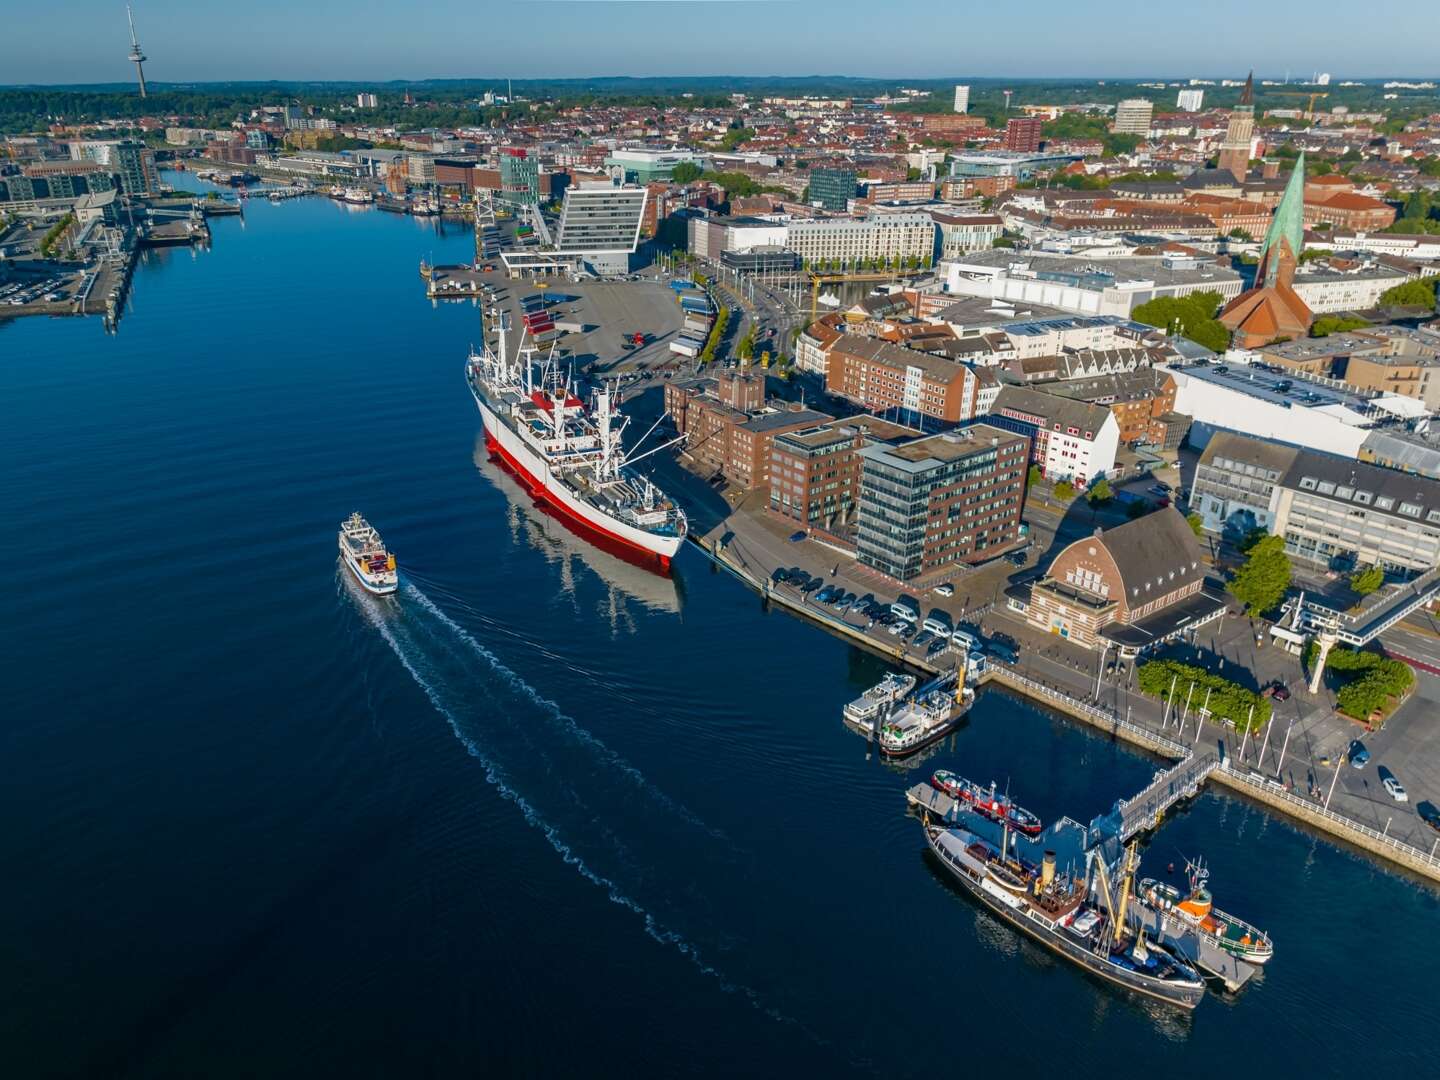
1252,381
948,446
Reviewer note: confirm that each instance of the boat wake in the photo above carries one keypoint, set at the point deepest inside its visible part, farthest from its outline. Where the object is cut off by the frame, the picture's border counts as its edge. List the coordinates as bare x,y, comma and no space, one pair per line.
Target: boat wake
569,724
584,843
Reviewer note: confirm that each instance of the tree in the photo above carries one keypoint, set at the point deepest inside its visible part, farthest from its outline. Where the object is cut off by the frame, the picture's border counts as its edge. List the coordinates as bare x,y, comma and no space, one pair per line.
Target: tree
1261,583
1240,234
687,172
1197,525
1100,492
1065,491
1033,477
1367,580
1419,293
1194,315
1334,324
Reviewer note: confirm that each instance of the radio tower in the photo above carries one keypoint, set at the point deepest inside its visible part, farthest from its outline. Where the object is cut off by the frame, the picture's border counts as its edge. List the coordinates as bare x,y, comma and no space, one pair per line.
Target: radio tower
136,56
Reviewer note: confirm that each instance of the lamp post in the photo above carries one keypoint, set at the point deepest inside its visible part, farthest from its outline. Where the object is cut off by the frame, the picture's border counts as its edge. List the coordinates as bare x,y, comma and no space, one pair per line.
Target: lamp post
1280,764
1329,794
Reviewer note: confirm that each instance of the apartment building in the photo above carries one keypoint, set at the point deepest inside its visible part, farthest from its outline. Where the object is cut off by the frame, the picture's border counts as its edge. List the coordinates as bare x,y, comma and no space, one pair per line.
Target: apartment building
815,475
844,241
930,504
882,377
1142,402
1132,117
1069,440
960,234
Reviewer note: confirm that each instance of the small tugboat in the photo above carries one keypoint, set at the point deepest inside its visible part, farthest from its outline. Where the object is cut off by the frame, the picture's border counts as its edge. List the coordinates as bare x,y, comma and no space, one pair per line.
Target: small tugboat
987,803
1226,932
930,715
365,553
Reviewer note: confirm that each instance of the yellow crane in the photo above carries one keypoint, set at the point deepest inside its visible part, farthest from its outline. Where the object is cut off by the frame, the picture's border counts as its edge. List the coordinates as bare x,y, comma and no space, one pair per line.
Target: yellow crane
1309,113
817,279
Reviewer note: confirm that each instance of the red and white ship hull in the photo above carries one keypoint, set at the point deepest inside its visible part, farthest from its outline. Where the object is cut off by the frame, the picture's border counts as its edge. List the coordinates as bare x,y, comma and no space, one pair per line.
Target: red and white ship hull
543,482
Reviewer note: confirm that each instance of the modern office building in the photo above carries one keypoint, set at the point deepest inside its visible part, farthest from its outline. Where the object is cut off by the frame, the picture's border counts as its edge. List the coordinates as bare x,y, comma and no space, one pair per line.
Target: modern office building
939,501
640,166
846,241
832,189
600,223
132,162
1332,511
519,177
1022,134
1132,116
1190,100
1006,163
962,99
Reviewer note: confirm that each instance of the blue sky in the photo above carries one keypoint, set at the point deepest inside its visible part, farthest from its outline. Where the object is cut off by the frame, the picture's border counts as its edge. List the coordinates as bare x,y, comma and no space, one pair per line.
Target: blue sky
63,41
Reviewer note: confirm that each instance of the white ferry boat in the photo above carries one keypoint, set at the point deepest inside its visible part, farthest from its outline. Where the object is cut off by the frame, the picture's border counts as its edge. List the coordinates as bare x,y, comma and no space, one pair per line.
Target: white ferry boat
570,455
365,554
918,723
871,708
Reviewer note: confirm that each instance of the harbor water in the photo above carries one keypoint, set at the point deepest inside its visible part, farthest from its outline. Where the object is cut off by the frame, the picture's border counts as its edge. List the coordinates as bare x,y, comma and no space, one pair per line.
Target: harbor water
541,811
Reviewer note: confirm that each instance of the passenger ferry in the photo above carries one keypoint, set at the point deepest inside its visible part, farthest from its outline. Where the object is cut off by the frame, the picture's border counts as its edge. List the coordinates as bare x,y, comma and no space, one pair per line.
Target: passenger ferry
366,556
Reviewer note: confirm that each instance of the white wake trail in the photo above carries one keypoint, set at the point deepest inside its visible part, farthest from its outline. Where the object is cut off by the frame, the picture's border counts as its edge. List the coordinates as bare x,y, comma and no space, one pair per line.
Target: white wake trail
581,734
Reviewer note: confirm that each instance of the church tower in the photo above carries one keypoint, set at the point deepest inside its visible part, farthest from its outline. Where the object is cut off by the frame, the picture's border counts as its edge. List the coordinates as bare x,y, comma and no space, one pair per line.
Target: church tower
1235,150
1271,310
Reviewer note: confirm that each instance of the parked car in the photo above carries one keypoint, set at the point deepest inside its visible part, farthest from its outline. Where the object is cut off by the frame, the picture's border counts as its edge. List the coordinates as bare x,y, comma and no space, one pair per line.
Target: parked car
1002,652
907,630
906,609
894,628
963,639
1359,756
945,589
938,623
796,537
923,638
825,595
1429,814
1018,558
935,646
1396,790
1278,691
780,576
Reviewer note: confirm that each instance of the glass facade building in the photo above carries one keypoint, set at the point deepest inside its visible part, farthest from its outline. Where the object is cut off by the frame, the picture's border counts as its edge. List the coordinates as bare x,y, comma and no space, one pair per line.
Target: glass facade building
832,189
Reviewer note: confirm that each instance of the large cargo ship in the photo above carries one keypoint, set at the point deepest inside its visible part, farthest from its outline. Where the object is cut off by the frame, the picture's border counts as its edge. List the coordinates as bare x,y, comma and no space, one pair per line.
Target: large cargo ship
569,454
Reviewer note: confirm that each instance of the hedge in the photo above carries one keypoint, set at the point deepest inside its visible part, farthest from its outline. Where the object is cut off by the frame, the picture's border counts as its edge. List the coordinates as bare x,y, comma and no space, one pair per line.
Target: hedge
1228,700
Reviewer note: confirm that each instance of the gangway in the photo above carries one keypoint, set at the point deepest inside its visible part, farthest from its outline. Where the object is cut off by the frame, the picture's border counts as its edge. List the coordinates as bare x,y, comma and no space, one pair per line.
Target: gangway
1381,611
1142,812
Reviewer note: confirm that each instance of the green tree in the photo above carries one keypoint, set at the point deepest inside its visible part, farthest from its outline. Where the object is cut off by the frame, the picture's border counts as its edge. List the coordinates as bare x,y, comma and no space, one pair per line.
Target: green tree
1100,492
687,172
1197,525
1419,293
1064,491
1261,583
1240,234
1033,476
1194,315
1367,580
735,136
1335,324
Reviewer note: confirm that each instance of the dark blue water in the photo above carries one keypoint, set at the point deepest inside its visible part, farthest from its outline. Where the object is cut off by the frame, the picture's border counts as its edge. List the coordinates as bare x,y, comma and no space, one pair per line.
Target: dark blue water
543,812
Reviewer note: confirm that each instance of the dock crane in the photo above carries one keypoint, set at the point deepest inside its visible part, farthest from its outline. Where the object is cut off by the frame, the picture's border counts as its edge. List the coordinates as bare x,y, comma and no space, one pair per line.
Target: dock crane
1309,113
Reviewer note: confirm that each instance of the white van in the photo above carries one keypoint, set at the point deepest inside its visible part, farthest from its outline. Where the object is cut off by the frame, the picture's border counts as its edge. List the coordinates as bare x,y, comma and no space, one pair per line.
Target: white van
904,609
961,639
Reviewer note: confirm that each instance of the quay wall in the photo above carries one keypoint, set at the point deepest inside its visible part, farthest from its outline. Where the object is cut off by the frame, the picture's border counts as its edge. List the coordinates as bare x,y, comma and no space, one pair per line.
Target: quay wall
1263,789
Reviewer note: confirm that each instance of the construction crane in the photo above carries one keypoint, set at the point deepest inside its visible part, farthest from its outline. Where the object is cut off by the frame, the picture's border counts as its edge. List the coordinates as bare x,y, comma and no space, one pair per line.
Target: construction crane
816,279
1309,113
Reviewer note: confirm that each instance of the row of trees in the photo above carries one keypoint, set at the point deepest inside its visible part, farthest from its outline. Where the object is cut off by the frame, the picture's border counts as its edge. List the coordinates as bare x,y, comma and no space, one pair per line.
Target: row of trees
1223,699
1418,293
873,265
54,233
717,333
1335,324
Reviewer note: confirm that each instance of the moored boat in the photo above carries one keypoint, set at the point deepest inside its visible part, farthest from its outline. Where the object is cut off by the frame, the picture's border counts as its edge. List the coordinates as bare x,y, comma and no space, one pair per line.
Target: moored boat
367,557
871,708
1056,909
988,802
929,716
1197,908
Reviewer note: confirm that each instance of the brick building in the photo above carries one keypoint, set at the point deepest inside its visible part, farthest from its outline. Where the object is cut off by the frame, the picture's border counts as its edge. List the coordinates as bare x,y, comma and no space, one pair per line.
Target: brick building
881,376
933,503
1141,401
1134,586
1022,134
815,472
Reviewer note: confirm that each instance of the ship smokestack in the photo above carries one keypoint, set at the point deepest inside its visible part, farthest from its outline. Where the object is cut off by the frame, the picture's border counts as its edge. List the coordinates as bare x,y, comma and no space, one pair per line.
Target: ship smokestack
1047,869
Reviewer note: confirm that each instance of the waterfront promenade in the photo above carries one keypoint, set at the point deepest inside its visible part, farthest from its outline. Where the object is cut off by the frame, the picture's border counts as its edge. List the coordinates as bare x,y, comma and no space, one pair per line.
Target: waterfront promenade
1293,766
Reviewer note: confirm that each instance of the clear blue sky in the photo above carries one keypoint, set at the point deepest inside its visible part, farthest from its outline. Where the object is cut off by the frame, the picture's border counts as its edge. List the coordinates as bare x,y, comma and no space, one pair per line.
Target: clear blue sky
67,41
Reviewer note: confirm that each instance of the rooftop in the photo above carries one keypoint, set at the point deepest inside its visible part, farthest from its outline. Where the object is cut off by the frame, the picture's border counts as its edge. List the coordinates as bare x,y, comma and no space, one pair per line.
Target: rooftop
931,450
1265,385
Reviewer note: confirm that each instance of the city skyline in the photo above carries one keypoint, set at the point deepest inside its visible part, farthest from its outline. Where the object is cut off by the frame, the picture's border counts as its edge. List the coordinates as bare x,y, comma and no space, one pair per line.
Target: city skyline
667,38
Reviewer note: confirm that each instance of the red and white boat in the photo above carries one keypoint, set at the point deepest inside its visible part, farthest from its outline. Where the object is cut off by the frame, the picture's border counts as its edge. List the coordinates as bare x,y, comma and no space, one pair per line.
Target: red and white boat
570,455
987,802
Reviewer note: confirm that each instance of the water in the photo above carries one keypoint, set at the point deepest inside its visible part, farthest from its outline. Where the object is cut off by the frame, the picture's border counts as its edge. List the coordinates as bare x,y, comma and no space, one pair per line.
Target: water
543,810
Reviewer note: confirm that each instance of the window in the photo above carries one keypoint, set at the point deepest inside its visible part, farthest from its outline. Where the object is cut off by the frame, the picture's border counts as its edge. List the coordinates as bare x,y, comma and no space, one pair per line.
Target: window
1344,492
1433,516
1325,487
1307,483
1409,509
1363,497
1384,502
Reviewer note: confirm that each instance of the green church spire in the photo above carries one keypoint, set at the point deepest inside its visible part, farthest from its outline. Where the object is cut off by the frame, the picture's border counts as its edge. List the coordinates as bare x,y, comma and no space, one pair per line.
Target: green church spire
1288,224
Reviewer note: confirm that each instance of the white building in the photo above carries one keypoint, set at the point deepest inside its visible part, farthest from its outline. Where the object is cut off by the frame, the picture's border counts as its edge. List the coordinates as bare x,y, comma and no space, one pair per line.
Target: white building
600,222
365,101
1070,440
1132,116
1114,286
1330,291
1190,100
846,240
961,234
962,99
